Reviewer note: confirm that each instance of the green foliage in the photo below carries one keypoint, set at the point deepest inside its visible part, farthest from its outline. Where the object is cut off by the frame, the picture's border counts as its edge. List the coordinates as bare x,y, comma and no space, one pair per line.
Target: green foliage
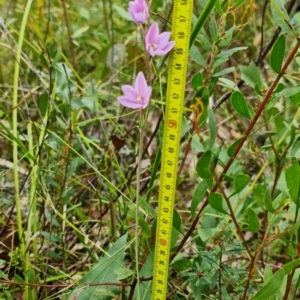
277,54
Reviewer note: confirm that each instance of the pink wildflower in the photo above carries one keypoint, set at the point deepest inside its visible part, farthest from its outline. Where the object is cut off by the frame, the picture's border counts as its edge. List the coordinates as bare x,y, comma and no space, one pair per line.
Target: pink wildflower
137,96
158,44
139,11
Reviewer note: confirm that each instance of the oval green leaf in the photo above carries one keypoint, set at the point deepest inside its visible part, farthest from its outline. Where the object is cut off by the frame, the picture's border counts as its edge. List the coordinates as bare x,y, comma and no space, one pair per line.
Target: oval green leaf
232,147
295,99
277,54
253,221
198,196
203,166
240,105
181,265
197,82
271,287
216,202
240,182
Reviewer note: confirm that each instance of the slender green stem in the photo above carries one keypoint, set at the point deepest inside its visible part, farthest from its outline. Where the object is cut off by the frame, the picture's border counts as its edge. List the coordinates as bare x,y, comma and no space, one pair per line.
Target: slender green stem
138,179
15,144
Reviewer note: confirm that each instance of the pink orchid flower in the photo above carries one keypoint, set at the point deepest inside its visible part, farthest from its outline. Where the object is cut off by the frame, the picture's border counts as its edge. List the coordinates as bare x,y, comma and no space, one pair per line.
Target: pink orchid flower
139,11
137,96
158,44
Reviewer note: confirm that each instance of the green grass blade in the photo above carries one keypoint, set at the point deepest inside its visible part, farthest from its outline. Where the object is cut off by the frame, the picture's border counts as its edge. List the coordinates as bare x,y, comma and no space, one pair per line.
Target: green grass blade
201,20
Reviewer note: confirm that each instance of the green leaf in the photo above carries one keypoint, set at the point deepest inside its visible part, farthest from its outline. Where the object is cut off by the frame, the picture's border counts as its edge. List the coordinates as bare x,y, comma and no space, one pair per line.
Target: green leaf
240,182
146,232
216,202
201,20
289,92
229,52
240,105
238,2
258,193
147,207
227,38
213,28
290,266
43,104
232,147
124,14
203,167
197,82
197,57
181,265
123,273
269,201
218,8
277,54
270,288
198,196
3,275
295,99
224,71
219,62
251,75
268,273
103,271
204,42
207,233
292,177
176,221
253,221
212,123
296,146
281,17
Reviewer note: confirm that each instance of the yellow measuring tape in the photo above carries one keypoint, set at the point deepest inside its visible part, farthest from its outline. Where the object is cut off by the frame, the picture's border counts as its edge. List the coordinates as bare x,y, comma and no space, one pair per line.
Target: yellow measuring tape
181,25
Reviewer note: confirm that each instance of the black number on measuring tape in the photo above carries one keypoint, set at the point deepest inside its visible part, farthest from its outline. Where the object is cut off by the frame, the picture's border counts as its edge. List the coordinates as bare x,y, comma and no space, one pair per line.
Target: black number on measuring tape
165,221
182,19
181,35
166,198
174,110
179,51
175,96
172,137
171,150
178,66
176,81
169,175
169,163
168,187
183,2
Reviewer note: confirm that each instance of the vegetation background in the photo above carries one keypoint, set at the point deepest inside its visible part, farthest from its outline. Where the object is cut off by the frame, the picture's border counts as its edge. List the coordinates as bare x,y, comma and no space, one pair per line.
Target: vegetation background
69,151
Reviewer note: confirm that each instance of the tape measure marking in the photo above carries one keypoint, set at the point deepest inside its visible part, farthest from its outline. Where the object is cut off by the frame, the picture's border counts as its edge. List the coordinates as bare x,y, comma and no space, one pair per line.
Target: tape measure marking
181,25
